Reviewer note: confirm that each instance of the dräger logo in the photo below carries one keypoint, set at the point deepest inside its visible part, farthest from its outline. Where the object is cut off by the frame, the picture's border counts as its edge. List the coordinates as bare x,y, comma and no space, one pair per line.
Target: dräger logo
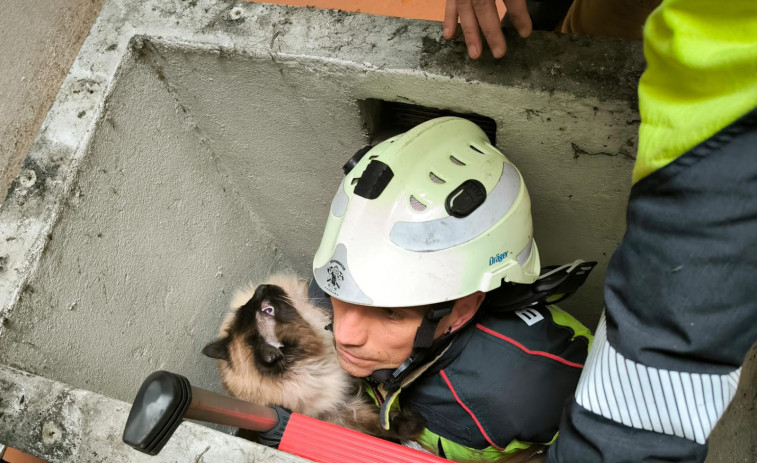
498,258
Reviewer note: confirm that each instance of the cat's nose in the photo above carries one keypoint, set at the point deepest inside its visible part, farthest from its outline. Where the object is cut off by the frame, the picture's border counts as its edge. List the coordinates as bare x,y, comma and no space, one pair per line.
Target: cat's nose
270,355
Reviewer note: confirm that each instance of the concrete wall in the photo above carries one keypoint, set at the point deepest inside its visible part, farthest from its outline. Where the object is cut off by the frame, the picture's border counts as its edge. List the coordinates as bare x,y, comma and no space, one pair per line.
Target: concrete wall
196,145
39,40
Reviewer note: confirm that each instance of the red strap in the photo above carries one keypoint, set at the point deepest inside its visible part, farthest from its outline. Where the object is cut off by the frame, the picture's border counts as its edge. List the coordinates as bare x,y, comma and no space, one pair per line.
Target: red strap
328,443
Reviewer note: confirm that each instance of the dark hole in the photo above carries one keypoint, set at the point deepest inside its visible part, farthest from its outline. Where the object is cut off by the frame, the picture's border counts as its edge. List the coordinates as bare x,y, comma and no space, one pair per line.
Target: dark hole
385,119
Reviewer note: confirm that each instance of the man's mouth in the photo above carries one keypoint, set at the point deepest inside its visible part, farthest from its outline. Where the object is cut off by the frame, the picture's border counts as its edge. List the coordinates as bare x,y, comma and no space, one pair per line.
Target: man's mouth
351,358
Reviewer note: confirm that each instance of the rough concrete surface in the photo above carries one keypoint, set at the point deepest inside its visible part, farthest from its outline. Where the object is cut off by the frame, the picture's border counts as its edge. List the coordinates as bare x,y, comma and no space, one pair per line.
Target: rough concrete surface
146,255
64,424
39,40
196,145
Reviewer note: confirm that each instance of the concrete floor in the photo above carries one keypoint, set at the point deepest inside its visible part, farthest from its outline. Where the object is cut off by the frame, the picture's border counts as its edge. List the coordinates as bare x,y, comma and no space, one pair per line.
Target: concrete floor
51,34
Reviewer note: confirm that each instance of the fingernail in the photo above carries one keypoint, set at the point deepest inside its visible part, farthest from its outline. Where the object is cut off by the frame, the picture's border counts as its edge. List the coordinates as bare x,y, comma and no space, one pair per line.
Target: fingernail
473,51
446,31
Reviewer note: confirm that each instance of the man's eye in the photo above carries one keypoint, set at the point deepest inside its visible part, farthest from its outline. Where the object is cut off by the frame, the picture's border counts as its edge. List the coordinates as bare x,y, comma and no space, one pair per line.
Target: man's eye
392,314
268,309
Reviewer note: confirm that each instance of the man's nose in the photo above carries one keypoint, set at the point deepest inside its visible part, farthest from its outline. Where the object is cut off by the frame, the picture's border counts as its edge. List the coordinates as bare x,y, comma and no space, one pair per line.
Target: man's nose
350,327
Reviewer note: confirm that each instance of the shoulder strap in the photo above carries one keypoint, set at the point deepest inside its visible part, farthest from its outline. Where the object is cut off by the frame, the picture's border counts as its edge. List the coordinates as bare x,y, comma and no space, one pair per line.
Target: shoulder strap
553,285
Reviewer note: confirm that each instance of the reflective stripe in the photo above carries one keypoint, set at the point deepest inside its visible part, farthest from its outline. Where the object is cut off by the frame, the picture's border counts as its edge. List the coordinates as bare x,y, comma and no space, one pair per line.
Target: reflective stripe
457,452
340,202
682,404
523,256
448,232
335,278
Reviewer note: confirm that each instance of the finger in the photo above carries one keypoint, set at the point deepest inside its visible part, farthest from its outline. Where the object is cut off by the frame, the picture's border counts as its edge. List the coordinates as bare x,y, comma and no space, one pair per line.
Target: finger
518,13
469,24
450,19
488,21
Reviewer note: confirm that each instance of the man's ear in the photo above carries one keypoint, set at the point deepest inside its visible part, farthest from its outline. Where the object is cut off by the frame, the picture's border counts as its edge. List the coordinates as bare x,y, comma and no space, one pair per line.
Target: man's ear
465,308
218,349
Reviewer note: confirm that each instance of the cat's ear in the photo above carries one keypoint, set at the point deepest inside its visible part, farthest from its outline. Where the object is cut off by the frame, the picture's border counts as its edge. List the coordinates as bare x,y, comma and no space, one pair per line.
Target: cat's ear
218,349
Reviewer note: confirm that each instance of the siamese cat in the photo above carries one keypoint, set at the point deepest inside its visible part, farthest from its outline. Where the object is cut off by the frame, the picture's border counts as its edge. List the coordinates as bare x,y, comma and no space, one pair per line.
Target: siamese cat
274,349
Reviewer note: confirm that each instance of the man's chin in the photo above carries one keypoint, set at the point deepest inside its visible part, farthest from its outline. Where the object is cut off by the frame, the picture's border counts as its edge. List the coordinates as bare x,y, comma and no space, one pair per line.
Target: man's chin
354,370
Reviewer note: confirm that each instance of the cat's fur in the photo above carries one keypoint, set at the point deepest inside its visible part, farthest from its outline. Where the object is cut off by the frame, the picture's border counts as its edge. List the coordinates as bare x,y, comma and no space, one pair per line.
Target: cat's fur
273,349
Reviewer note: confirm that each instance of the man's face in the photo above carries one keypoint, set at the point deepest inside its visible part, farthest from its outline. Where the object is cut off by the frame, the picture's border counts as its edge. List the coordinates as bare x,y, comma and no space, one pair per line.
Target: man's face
375,338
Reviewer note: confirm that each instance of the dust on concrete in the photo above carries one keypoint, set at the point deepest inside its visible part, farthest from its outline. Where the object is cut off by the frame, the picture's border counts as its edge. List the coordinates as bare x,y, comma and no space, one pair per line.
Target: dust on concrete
588,67
441,53
58,434
623,151
47,411
33,179
231,17
398,32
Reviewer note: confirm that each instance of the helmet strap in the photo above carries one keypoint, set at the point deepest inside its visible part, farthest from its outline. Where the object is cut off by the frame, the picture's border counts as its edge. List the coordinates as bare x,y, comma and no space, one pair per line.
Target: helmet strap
422,345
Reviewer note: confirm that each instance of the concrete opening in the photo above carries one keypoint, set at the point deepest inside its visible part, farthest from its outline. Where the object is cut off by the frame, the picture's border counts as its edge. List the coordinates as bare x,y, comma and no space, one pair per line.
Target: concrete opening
385,119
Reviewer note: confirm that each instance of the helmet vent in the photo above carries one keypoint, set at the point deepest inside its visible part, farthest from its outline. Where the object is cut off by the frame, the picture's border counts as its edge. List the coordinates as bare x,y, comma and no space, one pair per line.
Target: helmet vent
476,149
434,178
456,161
373,157
417,205
355,180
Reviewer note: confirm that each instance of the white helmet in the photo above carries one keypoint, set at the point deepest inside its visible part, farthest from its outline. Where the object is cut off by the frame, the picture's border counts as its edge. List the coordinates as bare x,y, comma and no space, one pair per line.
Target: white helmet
428,216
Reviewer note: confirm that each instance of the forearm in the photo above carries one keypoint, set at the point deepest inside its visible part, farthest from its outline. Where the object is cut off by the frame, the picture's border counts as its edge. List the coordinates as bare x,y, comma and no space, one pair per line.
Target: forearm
681,312
680,309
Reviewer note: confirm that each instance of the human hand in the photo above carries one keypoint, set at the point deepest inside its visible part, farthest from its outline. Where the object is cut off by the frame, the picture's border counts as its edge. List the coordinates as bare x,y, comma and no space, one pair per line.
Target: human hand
478,16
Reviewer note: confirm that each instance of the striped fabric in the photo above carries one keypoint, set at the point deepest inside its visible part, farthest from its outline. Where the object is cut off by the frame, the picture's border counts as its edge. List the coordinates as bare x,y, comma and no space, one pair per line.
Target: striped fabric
677,403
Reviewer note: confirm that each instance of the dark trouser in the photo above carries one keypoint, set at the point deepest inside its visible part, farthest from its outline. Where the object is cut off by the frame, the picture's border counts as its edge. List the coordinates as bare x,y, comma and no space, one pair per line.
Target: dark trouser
608,18
599,18
547,15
